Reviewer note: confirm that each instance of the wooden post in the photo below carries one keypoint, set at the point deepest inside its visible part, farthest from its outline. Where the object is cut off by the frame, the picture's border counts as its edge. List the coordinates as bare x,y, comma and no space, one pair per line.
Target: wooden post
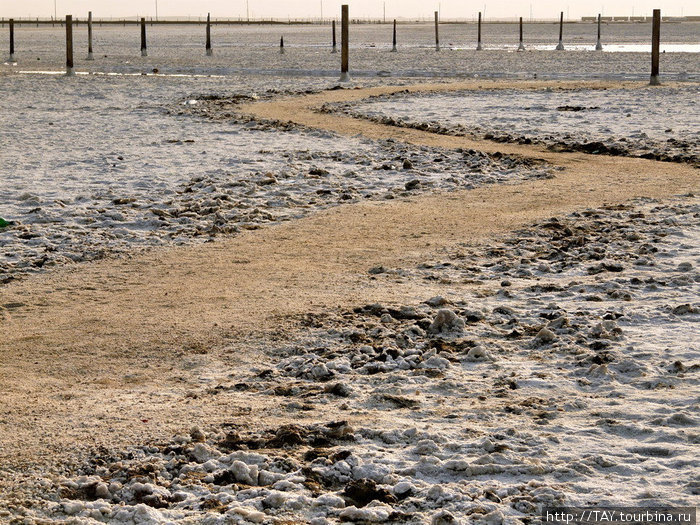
281,45
598,44
69,44
344,44
393,40
90,57
12,39
521,46
478,34
655,43
144,50
208,44
335,44
560,45
437,33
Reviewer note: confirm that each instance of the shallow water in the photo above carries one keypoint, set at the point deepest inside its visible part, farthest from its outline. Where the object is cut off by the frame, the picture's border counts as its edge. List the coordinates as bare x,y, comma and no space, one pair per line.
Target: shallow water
255,50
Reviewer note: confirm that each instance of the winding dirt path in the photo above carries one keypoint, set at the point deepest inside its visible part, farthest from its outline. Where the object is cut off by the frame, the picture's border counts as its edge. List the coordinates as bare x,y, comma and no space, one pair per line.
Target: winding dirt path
103,352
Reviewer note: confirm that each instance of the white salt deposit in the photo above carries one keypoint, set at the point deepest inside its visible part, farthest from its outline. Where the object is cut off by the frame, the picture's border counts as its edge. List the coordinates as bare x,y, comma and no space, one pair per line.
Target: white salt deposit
659,120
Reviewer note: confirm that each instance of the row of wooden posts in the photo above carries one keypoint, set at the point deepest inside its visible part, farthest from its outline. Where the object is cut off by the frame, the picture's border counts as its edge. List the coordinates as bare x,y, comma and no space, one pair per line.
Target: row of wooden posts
345,37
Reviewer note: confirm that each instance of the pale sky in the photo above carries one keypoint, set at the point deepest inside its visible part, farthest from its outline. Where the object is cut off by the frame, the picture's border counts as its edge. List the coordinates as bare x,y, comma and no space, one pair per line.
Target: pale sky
358,8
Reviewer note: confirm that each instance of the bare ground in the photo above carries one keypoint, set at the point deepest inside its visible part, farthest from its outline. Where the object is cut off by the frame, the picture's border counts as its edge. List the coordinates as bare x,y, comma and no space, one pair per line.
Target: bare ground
101,353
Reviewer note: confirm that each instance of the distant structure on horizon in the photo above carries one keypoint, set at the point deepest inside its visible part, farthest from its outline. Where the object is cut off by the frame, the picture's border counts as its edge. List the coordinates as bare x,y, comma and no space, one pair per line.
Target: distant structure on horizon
640,18
166,20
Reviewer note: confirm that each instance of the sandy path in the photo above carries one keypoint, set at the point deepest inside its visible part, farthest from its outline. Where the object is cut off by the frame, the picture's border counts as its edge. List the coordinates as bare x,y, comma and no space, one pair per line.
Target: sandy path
89,353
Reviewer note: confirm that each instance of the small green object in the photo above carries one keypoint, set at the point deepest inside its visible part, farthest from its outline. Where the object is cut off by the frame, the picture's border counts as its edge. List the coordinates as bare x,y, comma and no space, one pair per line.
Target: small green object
4,223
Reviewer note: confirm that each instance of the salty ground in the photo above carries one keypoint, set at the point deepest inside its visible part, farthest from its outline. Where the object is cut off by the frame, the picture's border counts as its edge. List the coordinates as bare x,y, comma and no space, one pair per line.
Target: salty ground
392,325
168,174
605,121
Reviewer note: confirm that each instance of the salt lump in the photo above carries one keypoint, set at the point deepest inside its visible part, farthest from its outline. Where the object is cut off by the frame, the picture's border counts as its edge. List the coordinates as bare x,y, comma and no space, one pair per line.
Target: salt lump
446,321
545,336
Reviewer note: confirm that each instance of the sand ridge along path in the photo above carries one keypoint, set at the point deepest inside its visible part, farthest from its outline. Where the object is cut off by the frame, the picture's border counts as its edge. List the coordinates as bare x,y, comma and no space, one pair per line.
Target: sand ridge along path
90,354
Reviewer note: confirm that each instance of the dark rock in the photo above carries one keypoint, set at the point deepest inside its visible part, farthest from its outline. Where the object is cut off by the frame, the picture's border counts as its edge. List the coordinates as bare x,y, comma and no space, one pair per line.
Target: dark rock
400,401
338,389
684,309
287,435
363,491
406,312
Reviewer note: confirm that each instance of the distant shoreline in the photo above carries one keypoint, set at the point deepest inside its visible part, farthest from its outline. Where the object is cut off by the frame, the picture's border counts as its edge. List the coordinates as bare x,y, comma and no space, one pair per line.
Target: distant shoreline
356,21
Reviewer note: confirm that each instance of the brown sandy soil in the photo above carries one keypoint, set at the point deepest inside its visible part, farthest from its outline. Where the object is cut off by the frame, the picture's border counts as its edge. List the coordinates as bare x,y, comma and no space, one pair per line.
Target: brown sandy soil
105,353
